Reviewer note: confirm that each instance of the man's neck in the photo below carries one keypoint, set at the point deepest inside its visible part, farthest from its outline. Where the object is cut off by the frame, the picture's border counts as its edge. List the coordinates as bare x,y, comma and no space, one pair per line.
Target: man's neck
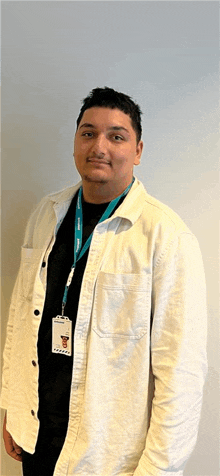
94,192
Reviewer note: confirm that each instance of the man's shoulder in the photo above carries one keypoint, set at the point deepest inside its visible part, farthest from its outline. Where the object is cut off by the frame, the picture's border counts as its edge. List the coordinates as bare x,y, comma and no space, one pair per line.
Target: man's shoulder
63,195
46,213
163,211
158,213
52,199
47,204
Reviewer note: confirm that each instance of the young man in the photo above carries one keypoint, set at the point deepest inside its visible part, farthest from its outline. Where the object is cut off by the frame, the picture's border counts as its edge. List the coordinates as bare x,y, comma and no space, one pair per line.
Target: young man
121,275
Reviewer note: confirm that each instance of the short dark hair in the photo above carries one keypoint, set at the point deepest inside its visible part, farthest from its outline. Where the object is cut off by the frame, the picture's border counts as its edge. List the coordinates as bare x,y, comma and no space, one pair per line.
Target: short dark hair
108,97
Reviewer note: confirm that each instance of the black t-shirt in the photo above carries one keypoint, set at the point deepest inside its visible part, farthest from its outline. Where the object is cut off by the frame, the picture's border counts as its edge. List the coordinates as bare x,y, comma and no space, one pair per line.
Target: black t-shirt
55,370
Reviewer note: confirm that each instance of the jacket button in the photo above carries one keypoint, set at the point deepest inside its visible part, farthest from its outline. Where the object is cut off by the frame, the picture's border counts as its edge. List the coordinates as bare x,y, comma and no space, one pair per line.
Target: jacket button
43,264
36,312
32,412
34,363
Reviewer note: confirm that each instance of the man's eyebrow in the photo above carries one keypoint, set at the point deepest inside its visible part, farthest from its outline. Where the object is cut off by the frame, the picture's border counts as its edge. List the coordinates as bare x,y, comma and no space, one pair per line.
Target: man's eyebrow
119,128
112,128
87,124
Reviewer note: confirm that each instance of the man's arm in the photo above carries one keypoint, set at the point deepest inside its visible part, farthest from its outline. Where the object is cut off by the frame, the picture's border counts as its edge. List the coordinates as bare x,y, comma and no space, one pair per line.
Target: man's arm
11,447
7,349
28,242
178,357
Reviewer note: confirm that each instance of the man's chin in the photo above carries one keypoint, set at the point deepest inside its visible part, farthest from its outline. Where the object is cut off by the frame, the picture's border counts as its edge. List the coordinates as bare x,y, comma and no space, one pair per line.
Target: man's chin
94,179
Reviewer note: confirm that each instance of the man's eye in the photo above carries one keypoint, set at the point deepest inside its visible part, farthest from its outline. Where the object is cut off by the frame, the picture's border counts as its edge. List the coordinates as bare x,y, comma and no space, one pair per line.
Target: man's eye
87,134
118,138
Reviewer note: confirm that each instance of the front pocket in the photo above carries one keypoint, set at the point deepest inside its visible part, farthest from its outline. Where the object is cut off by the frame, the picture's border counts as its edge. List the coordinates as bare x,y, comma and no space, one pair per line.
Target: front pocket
122,305
30,261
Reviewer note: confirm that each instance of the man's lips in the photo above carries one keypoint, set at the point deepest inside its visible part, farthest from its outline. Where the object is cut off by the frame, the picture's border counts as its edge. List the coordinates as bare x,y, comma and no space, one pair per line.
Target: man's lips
98,161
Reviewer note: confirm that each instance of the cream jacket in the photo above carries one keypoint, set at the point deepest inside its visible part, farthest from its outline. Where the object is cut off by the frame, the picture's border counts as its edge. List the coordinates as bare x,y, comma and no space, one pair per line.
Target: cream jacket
139,343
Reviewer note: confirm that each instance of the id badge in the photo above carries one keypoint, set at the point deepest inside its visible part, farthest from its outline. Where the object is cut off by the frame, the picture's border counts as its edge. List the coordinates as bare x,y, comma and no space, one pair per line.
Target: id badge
61,335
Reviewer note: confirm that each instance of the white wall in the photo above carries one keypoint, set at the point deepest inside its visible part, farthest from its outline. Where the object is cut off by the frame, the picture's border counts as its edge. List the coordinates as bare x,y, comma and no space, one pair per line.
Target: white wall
163,54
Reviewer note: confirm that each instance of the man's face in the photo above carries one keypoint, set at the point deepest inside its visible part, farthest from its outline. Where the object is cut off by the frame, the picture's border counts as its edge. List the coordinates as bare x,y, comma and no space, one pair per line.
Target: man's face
105,147
64,342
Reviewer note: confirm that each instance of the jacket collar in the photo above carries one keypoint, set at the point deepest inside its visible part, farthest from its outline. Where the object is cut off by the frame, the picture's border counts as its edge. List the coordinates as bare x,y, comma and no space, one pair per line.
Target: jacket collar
130,208
64,195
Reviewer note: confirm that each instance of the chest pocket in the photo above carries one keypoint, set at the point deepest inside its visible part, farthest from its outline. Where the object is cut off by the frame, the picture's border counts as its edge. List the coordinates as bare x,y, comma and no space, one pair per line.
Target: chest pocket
30,261
122,305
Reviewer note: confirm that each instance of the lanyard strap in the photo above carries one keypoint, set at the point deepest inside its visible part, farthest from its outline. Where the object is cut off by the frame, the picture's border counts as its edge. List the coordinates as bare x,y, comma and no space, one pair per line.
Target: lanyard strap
78,252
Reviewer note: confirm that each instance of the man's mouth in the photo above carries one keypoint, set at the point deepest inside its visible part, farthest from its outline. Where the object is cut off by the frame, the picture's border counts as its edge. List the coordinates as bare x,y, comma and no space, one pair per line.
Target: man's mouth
97,161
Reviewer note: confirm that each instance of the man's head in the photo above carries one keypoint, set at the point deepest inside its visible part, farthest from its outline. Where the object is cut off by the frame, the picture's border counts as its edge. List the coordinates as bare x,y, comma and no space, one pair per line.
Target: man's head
109,98
107,144
64,341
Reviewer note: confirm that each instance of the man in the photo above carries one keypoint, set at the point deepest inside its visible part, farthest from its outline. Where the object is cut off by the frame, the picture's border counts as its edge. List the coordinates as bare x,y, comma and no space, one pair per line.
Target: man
122,275
64,341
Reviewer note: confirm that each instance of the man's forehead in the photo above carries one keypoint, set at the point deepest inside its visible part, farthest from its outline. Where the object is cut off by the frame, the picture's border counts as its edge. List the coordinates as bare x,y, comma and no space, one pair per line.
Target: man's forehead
114,118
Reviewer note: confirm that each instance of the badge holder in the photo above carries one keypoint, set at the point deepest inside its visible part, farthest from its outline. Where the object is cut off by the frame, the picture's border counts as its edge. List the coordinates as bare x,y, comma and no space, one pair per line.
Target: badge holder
62,335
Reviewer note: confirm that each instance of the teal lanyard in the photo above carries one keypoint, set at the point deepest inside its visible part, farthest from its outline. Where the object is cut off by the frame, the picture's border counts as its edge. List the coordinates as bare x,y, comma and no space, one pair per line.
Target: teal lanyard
78,252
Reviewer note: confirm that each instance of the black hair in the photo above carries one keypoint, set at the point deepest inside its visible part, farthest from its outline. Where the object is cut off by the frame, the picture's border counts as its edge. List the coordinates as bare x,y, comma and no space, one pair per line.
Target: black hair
108,97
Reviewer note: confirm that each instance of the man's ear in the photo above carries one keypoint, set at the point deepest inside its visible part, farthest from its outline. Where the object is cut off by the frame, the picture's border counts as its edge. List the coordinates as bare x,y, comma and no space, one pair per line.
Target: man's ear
139,150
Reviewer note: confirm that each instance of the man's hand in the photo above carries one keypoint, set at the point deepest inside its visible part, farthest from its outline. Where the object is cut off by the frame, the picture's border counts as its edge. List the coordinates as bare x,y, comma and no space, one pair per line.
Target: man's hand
11,447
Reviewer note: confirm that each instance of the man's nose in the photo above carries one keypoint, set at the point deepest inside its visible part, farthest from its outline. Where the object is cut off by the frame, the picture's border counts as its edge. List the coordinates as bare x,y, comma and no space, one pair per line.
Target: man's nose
100,145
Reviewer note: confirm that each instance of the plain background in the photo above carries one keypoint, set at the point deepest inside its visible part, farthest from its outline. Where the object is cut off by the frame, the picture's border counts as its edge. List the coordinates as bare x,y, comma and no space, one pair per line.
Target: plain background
163,54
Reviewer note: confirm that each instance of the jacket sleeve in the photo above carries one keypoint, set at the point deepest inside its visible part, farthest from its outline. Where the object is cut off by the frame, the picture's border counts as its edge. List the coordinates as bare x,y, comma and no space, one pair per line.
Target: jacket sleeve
12,309
7,349
178,358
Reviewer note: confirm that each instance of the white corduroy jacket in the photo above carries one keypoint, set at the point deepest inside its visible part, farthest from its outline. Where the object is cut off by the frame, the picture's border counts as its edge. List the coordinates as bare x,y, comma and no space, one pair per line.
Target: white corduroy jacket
139,343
